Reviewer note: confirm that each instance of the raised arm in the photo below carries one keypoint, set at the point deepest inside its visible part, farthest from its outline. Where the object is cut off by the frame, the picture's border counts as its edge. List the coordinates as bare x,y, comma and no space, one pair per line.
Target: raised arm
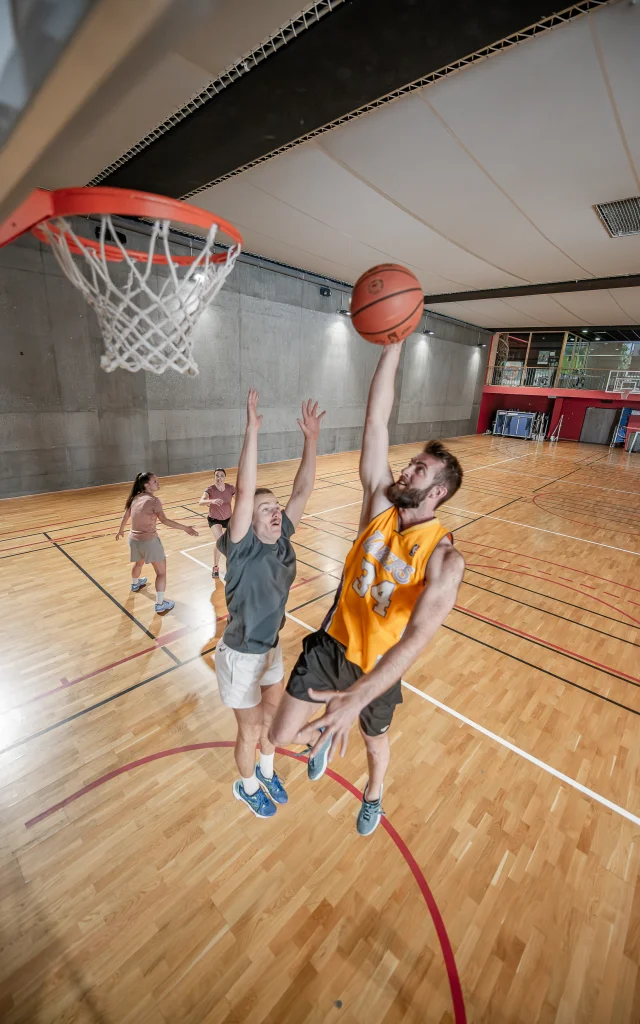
375,474
306,475
247,472
444,576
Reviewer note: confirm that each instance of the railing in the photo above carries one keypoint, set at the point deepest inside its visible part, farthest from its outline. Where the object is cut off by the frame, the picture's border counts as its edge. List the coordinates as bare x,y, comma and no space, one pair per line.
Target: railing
584,380
548,377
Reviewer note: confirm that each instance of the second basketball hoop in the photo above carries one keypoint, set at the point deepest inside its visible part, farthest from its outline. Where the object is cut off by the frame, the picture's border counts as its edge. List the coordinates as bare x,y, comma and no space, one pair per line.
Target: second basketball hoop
146,315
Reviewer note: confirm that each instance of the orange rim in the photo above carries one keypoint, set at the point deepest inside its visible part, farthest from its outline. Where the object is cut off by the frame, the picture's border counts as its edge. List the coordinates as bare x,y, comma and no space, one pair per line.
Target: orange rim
42,206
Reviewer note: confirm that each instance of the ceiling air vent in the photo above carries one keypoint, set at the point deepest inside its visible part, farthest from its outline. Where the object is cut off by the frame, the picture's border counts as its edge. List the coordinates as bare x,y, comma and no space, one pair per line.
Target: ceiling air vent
622,217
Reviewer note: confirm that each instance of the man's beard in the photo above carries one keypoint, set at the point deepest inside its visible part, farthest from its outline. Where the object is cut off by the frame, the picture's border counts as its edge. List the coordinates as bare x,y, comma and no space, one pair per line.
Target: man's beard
405,497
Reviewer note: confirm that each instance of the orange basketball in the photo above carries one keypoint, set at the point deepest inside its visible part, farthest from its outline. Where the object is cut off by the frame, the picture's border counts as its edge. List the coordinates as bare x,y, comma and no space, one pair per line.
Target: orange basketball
386,304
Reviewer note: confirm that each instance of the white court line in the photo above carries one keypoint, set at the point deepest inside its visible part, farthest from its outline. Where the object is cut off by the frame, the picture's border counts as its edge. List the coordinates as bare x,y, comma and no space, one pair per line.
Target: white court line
208,567
510,746
516,458
324,511
555,533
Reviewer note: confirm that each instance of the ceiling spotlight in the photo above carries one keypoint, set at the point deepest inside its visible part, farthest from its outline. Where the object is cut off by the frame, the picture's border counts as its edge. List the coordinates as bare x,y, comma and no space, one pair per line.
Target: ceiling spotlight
585,332
198,275
597,337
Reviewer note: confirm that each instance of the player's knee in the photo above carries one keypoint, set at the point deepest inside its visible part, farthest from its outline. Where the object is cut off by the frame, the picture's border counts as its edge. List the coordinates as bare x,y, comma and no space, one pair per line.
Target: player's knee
278,733
249,731
377,746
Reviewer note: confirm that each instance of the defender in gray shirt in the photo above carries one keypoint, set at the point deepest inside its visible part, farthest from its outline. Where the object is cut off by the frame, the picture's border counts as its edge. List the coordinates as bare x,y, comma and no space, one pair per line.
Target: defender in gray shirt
261,566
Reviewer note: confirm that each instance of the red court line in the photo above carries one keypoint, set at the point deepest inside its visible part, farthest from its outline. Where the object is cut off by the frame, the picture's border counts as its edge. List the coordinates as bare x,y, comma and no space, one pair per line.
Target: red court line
559,565
546,579
547,643
459,1011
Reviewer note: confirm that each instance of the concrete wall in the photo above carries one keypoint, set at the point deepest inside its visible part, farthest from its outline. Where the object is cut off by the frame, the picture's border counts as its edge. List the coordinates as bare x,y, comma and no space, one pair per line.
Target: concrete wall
65,423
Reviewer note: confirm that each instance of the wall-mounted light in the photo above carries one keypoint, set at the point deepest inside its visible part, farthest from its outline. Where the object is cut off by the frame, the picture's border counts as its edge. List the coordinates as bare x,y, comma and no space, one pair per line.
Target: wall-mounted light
429,332
325,292
344,312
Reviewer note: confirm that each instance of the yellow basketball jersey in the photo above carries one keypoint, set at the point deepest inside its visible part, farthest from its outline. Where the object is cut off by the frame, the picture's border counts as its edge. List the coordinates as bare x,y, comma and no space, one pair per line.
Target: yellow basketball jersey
384,574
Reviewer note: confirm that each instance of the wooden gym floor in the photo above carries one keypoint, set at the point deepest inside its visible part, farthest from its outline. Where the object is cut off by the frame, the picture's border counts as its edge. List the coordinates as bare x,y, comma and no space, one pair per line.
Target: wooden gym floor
504,885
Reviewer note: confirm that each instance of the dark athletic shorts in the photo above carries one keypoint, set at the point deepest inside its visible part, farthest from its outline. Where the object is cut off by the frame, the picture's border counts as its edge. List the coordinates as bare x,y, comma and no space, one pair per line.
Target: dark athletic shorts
323,666
218,522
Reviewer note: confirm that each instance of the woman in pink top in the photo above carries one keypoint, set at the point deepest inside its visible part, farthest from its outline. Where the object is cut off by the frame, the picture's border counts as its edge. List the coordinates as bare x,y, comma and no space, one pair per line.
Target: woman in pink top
218,498
144,510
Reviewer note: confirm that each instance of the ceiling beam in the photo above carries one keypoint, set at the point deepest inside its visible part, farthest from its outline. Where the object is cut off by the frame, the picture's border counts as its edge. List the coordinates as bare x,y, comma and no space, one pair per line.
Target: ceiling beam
589,284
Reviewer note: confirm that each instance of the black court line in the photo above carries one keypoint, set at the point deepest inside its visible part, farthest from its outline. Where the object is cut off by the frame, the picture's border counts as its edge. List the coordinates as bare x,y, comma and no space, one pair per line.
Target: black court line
545,611
550,597
323,554
544,671
483,515
564,477
329,593
59,543
349,540
545,647
73,525
113,599
201,654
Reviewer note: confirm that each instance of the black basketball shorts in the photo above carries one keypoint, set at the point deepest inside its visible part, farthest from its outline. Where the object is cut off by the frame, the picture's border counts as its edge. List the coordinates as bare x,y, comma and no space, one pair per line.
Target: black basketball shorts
324,666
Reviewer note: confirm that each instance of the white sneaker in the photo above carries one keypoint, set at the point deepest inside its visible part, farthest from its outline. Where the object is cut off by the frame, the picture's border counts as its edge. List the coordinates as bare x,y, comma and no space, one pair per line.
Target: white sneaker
166,606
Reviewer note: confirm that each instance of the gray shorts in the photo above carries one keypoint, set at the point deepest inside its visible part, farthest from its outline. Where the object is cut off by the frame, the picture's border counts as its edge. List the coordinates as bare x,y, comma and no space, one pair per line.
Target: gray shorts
150,550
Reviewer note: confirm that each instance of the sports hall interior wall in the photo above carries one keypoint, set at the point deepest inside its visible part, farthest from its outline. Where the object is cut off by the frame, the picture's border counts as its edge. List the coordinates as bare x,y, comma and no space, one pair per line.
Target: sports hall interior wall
65,423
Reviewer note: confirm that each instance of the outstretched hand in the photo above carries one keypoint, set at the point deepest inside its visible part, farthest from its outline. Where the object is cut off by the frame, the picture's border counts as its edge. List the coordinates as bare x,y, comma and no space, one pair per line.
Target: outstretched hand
310,422
341,712
253,419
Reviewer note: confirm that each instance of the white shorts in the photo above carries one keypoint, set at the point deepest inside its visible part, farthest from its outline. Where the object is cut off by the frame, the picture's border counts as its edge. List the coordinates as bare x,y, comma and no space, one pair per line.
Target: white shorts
241,675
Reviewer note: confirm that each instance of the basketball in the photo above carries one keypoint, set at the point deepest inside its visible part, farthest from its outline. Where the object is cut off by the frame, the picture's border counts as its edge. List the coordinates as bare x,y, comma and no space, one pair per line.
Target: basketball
386,304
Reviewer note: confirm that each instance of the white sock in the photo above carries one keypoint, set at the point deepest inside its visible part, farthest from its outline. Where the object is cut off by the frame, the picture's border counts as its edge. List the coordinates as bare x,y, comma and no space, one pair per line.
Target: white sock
251,785
159,596
266,765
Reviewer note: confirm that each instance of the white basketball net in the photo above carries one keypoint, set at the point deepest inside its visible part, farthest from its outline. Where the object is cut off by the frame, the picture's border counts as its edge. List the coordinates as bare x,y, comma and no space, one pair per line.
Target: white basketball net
147,319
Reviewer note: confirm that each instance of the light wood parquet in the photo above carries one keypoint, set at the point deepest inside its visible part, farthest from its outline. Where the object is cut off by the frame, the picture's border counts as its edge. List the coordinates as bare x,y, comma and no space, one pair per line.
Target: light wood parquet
155,897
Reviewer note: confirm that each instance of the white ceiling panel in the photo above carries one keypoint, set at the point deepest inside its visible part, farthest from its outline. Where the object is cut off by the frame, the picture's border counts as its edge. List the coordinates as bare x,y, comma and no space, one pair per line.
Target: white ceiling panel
598,307
539,119
484,179
257,213
309,179
440,182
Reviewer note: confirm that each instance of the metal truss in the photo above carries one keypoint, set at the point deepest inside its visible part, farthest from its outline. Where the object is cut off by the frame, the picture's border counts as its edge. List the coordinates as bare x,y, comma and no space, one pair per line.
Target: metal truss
309,16
545,25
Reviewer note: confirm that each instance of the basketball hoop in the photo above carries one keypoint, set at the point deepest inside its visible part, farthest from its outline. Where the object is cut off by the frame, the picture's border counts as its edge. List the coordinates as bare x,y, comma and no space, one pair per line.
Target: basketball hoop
146,318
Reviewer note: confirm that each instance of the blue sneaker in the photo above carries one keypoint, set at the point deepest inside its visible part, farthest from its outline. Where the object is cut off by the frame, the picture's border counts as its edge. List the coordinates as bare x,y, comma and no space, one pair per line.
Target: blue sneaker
273,786
369,815
166,606
138,584
258,802
317,765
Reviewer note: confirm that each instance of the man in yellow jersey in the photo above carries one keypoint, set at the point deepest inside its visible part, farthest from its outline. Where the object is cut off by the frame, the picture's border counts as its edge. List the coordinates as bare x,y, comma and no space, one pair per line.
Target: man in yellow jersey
400,582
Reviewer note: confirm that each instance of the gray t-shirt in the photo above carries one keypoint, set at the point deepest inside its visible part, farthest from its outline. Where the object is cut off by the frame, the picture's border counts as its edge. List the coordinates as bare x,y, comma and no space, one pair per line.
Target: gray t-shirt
259,577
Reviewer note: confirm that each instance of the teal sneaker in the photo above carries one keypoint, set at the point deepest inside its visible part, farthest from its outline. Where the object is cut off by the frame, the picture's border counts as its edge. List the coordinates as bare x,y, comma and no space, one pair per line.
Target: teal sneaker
369,815
273,786
138,584
317,765
259,803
